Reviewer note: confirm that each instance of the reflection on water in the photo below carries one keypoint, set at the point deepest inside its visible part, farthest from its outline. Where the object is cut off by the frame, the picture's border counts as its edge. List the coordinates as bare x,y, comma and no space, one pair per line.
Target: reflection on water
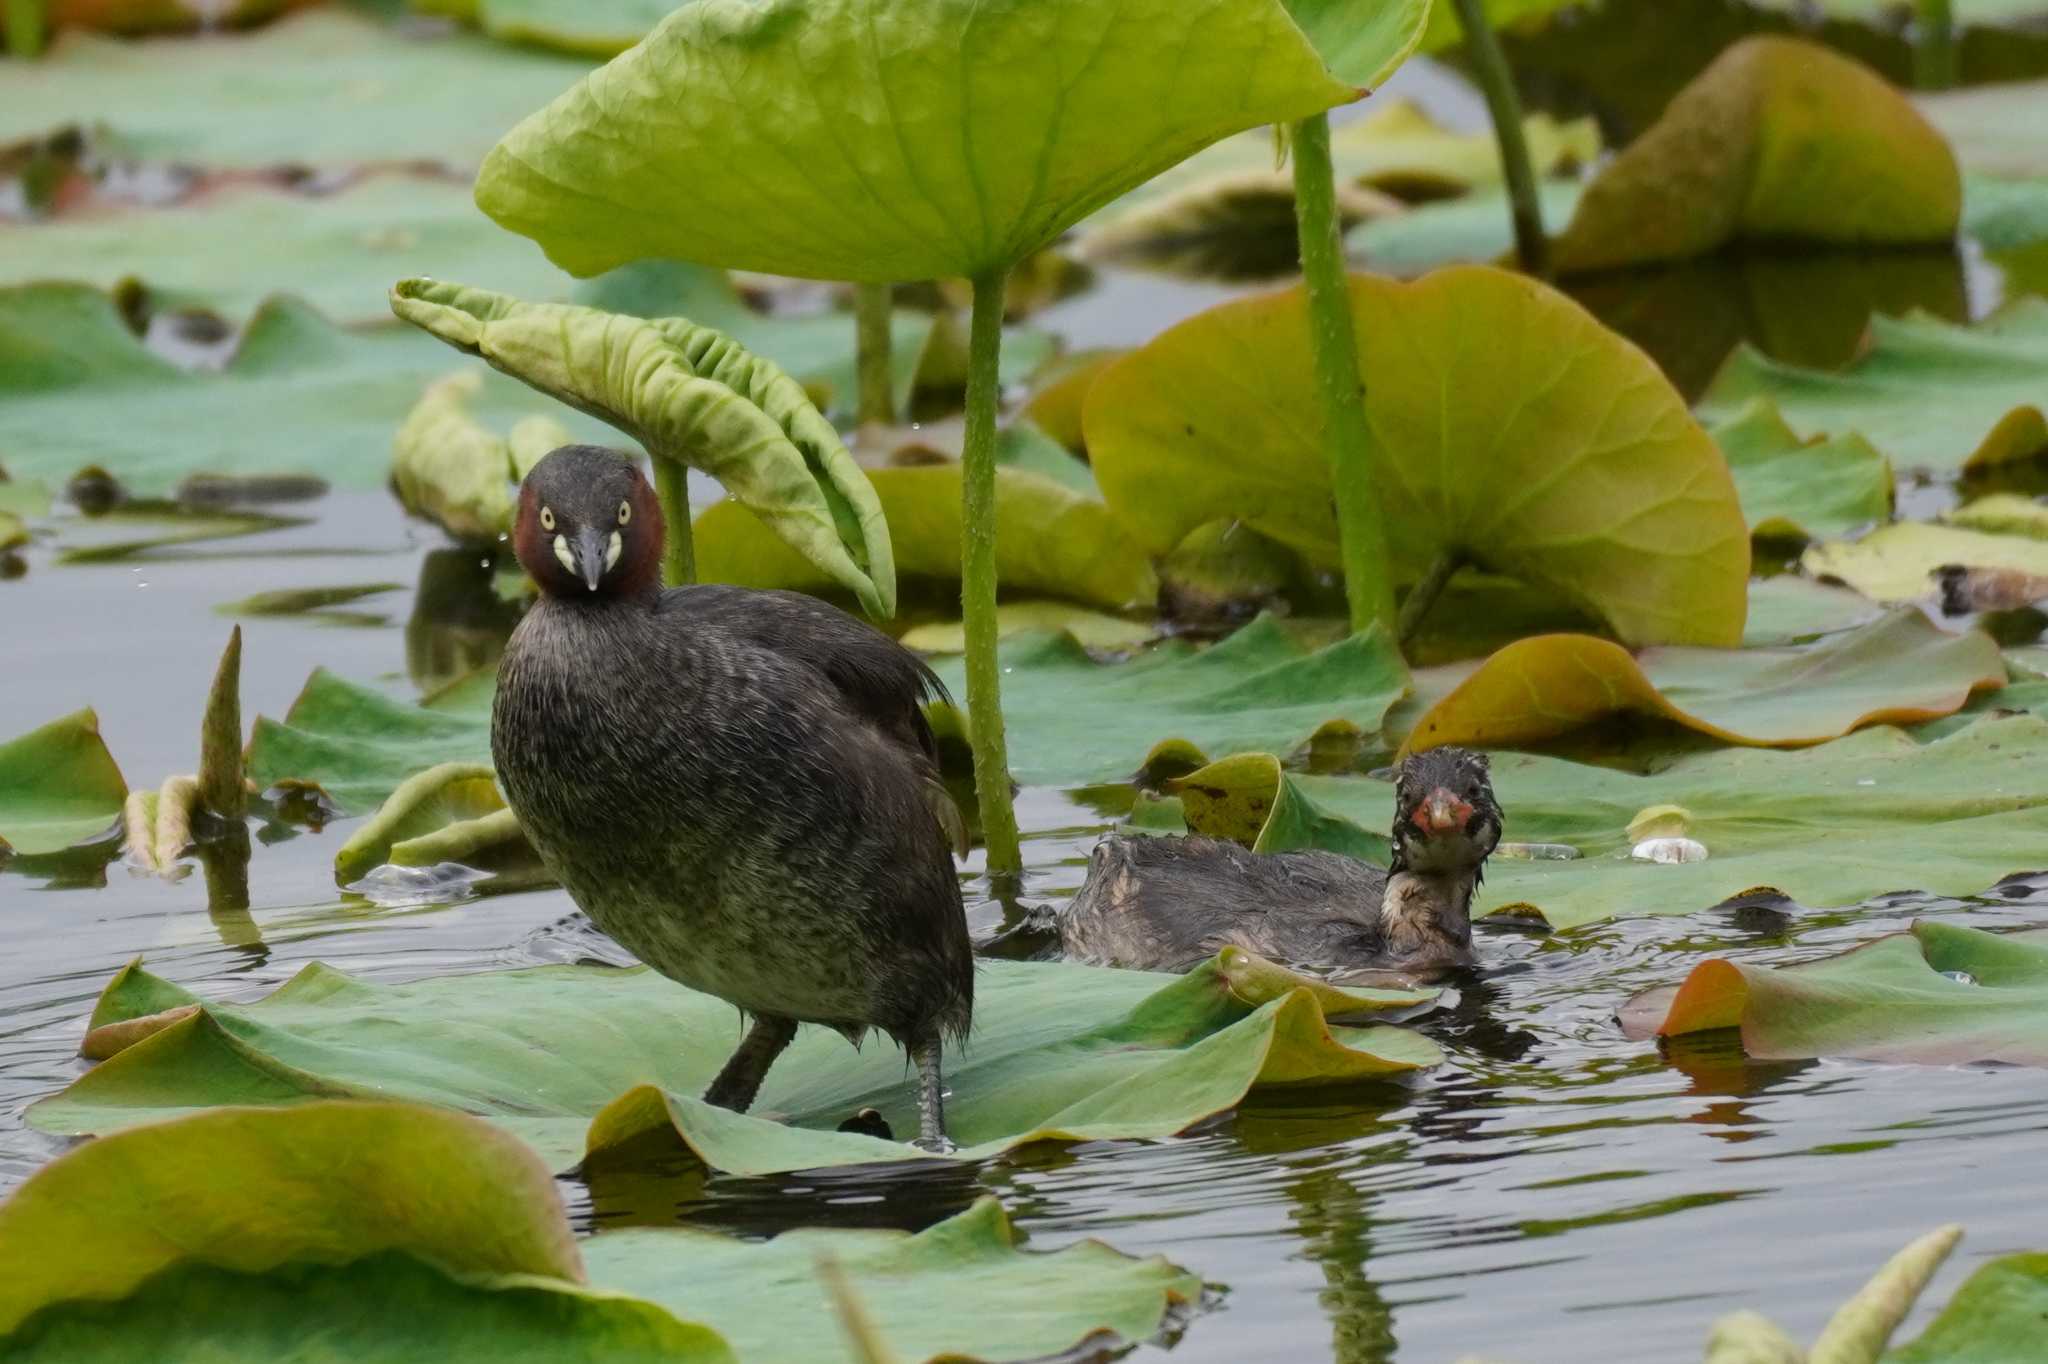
460,620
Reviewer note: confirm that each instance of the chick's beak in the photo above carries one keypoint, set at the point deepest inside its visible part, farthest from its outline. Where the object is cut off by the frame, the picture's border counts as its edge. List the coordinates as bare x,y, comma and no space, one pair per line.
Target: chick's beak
590,548
1443,813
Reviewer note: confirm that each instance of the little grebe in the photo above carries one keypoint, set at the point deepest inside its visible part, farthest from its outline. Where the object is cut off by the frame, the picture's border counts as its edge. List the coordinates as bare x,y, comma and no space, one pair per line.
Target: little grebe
738,786
1164,904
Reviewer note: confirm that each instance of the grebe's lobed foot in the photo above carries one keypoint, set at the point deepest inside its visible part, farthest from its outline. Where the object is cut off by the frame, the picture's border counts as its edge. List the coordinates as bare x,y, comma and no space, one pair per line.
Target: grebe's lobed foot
869,1123
940,1145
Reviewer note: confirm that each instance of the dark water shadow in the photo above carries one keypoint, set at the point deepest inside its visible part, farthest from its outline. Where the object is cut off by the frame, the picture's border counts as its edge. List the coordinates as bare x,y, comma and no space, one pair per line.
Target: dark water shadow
459,622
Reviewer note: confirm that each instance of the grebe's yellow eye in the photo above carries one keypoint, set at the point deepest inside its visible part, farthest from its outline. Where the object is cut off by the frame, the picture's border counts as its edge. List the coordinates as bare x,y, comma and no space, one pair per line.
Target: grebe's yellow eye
625,512
547,518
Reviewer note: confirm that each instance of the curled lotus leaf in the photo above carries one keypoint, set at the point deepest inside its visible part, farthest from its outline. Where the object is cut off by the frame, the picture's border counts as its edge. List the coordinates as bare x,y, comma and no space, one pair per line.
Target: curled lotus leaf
689,394
58,786
906,139
457,472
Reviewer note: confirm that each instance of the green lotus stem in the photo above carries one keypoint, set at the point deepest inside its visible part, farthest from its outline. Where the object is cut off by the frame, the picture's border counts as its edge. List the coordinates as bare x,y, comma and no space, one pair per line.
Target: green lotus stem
672,489
1424,594
978,579
1934,45
1490,69
1368,586
27,23
872,304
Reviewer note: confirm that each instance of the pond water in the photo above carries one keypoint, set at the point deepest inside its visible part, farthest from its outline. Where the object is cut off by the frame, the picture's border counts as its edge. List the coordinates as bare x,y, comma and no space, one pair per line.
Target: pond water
1552,1191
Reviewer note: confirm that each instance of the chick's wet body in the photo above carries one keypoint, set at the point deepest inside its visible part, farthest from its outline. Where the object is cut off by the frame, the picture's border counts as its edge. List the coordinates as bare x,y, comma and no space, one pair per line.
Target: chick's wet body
719,808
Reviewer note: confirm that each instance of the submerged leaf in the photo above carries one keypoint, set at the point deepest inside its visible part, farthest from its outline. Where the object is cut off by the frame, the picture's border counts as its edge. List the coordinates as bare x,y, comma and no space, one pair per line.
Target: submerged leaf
693,395
902,161
1897,670
1050,540
577,1058
58,786
1510,428
1778,139
1901,998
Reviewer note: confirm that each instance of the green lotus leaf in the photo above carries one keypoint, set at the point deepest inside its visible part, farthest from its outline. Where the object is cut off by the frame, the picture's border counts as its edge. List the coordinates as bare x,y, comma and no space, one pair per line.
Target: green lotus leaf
456,1192
690,394
1941,994
1059,1050
1050,540
934,137
359,744
78,388
1509,428
25,499
1788,609
1777,140
426,803
1995,1316
331,87
58,786
1795,489
1474,228
1089,629
1875,812
1929,395
1246,798
13,531
458,473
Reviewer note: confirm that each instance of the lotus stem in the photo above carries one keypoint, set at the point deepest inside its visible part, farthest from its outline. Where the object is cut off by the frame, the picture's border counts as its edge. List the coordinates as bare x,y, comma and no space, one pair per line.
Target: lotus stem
1934,44
27,24
1362,541
1490,69
978,580
872,304
1424,594
672,489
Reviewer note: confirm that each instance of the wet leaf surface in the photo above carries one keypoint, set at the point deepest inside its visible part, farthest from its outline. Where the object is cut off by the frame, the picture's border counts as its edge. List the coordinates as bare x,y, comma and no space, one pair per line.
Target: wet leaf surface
1477,381
58,786
1942,994
577,1058
1777,140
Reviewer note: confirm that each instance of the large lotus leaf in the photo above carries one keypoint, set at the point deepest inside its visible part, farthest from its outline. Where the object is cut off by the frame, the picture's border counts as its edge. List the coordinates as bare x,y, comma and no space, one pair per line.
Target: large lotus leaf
58,786
1897,563
1831,825
1993,1318
691,394
1941,994
1897,670
1802,489
1050,540
359,743
576,1058
1074,720
1777,140
318,1185
1509,427
930,138
1445,32
298,395
1928,394
330,87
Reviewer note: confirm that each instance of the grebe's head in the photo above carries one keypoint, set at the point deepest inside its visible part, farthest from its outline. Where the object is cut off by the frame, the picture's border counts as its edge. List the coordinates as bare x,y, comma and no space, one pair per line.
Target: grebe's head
1445,816
588,524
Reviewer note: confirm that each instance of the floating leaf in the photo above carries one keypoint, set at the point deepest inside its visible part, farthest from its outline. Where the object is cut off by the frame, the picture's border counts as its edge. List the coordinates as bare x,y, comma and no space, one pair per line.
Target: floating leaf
1995,1316
1789,609
359,744
1802,489
902,163
1247,799
693,395
1897,670
1940,994
1089,629
1049,540
1510,427
58,786
1897,563
1397,147
1472,228
1778,139
423,804
78,388
1927,394
571,1057
1864,815
1236,225
300,601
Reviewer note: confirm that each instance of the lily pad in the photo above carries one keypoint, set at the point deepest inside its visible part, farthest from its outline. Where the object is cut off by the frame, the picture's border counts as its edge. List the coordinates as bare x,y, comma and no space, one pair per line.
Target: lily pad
1050,540
1897,563
585,1058
1777,140
1864,815
1795,489
1511,428
688,393
78,388
430,1234
1995,1316
1900,669
1940,994
902,162
359,744
58,786
1472,228
425,804
1928,394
